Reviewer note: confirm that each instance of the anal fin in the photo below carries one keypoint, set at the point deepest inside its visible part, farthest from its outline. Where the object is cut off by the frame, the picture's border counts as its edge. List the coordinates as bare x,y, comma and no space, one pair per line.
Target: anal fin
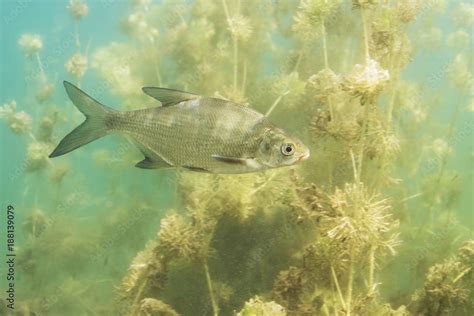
149,163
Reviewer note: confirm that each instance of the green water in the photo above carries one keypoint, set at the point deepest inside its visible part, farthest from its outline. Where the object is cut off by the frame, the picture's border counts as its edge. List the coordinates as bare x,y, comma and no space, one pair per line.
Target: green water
378,221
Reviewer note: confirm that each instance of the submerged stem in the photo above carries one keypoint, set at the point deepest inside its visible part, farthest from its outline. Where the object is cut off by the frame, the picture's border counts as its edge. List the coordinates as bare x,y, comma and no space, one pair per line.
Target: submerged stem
325,49
326,65
395,70
215,307
339,292
158,75
366,111
76,35
244,78
363,133
366,34
160,81
444,161
270,110
235,44
350,281
354,168
135,305
41,68
226,11
298,61
371,267
326,310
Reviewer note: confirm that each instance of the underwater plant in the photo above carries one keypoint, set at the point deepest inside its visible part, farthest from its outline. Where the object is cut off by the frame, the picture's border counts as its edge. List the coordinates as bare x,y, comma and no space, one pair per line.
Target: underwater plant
31,44
448,286
18,122
256,306
77,64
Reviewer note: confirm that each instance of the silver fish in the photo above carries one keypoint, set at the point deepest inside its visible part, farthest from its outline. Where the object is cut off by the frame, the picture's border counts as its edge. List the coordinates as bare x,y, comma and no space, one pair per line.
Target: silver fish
190,131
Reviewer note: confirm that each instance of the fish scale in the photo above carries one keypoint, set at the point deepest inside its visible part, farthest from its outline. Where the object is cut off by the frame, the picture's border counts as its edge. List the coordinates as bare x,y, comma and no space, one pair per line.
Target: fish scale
187,141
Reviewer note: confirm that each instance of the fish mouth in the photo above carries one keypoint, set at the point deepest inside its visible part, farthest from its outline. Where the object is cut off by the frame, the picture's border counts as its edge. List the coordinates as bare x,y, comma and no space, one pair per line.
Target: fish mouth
304,156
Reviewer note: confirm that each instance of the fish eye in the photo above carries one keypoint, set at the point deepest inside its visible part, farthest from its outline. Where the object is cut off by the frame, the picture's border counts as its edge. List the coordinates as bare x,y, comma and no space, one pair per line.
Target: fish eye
287,149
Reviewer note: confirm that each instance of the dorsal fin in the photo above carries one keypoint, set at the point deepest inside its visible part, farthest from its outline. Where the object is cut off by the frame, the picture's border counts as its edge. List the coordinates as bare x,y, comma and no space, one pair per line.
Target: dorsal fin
169,97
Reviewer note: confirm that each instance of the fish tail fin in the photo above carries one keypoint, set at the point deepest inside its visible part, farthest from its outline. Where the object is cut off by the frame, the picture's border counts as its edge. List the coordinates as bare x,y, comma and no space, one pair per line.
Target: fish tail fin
94,127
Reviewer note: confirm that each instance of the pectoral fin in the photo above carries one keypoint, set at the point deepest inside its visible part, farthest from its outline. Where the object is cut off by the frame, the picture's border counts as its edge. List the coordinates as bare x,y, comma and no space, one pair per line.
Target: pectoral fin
169,97
231,160
250,162
197,169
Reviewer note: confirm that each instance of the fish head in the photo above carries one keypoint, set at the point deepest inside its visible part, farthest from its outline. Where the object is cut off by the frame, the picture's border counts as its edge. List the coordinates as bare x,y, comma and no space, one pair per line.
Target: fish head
277,149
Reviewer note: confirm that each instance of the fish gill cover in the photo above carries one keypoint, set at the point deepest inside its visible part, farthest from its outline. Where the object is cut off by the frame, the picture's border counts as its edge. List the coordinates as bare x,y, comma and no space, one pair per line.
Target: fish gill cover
378,221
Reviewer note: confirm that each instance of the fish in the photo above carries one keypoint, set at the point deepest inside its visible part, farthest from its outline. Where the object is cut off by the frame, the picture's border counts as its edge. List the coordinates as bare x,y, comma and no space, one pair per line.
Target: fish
189,131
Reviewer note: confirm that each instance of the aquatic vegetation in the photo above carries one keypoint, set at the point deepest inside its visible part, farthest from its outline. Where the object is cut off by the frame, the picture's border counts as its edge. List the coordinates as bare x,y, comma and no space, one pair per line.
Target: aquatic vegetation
352,227
239,27
58,172
463,15
432,38
18,122
35,222
77,65
78,9
179,239
311,15
448,285
366,81
30,44
458,40
441,148
37,155
46,126
45,92
459,72
151,306
257,306
376,222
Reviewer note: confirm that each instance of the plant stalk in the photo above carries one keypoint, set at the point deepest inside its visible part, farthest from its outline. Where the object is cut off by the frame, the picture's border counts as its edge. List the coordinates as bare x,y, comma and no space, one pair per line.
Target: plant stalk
350,281
135,305
270,110
326,64
41,68
444,161
215,307
76,35
354,168
235,44
371,267
362,141
325,49
244,78
339,292
158,74
366,34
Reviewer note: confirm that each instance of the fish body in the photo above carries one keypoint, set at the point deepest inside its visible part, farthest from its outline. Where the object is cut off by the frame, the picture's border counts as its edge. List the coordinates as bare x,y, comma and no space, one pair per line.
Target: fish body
190,131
